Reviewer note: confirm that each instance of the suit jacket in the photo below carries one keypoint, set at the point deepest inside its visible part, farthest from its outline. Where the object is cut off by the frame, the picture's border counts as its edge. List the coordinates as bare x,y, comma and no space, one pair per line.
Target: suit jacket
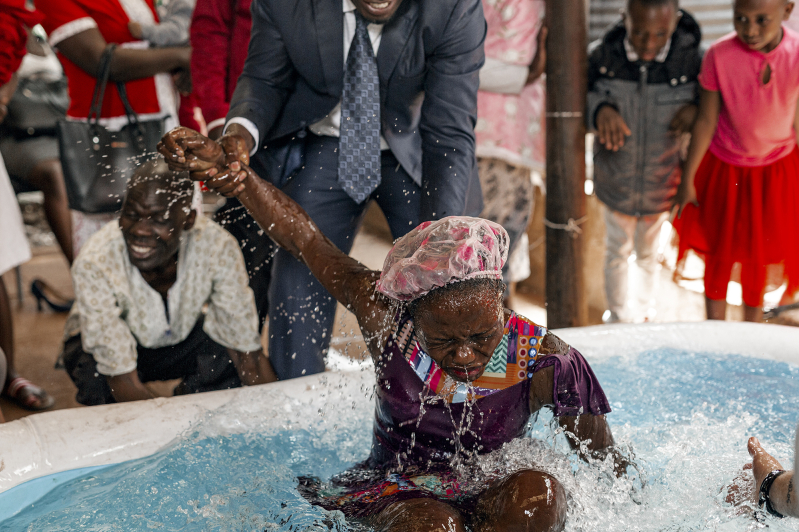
428,62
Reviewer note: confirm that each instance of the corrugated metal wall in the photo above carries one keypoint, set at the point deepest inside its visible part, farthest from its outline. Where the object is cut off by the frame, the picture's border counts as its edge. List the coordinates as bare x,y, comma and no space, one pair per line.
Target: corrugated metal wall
715,16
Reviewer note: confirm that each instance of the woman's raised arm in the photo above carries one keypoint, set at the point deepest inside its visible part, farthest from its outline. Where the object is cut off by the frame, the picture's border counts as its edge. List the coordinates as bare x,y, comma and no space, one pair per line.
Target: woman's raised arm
347,280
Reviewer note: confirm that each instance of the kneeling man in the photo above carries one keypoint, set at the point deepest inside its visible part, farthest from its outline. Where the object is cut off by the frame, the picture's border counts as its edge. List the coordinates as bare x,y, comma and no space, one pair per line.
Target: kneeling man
162,294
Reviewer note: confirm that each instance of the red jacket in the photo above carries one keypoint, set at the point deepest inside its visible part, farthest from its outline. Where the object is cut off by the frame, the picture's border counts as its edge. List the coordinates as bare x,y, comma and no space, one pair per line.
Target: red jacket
219,34
13,37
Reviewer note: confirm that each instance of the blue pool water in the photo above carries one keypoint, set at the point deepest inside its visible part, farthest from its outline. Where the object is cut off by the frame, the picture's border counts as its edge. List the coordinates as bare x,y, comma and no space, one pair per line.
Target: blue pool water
685,416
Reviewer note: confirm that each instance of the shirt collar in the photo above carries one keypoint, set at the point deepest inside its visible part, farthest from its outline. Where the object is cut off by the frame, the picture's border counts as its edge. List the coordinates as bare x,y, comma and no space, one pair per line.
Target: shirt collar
347,6
631,55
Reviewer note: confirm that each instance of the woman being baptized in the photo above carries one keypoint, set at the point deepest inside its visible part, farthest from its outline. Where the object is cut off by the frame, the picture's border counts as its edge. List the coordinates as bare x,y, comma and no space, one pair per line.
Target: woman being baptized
457,374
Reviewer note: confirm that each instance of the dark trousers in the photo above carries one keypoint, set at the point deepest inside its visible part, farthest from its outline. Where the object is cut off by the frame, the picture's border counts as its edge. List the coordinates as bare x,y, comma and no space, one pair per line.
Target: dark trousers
257,249
301,311
203,364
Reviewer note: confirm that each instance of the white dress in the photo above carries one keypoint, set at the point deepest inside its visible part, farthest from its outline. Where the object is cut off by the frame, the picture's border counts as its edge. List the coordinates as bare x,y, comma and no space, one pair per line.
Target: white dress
14,248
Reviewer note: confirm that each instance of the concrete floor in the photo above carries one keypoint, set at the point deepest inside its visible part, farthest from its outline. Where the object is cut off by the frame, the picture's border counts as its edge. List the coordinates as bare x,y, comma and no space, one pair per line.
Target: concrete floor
39,333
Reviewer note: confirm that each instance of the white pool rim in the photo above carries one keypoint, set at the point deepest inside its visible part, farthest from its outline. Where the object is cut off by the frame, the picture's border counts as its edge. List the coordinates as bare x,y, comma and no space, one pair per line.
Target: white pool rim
53,442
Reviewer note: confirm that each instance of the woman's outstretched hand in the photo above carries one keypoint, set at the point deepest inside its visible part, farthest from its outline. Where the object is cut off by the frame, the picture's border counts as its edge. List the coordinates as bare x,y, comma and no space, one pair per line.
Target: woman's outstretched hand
539,64
218,164
187,150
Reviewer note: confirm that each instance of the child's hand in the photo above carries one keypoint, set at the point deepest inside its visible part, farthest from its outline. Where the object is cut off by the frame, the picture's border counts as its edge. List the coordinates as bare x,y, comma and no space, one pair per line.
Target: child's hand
182,80
539,63
686,193
135,30
6,92
611,128
683,121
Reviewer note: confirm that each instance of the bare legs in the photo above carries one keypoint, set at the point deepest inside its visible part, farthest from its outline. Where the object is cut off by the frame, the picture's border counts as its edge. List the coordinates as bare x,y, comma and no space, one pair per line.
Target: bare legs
524,501
30,396
753,313
419,515
6,330
2,377
48,177
717,310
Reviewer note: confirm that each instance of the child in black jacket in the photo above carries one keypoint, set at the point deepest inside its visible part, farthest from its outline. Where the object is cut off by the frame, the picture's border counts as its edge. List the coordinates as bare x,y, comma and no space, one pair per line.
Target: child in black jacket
642,89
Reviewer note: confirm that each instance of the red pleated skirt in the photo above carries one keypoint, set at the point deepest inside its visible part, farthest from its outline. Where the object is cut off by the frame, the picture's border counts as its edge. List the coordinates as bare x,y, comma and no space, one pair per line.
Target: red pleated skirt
747,216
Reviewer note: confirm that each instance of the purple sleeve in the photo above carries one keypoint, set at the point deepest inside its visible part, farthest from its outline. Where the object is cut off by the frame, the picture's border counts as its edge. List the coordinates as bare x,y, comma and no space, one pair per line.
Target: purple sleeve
577,390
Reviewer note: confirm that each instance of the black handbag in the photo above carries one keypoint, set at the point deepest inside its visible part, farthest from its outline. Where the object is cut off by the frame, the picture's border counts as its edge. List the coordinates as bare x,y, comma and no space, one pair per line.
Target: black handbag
36,108
97,162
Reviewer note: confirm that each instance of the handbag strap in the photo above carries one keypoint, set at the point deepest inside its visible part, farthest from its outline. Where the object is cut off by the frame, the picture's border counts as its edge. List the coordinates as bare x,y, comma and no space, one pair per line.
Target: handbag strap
103,72
133,118
137,132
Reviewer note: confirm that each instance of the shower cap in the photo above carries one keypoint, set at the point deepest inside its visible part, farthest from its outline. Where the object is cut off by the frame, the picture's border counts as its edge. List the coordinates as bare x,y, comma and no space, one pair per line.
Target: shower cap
445,251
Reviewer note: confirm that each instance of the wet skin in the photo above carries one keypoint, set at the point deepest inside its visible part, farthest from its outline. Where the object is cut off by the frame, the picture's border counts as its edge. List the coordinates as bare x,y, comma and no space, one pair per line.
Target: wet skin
151,228
459,331
524,501
649,28
758,23
745,488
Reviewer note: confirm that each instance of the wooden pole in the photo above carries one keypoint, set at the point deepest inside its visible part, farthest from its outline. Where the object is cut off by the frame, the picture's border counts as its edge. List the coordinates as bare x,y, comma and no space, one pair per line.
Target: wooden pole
567,66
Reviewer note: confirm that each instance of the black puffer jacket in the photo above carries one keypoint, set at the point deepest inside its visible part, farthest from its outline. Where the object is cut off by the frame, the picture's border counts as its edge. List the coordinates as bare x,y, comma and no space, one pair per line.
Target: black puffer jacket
642,177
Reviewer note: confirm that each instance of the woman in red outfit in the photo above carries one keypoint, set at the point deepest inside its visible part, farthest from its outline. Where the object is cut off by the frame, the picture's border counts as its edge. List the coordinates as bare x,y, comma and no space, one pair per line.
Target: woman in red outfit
80,31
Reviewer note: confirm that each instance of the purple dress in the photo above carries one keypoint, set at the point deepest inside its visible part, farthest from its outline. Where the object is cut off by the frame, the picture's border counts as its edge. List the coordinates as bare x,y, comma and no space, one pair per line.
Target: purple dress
424,421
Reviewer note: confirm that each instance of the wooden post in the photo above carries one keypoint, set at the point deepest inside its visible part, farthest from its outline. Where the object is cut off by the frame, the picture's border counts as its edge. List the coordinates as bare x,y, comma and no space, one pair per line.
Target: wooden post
567,66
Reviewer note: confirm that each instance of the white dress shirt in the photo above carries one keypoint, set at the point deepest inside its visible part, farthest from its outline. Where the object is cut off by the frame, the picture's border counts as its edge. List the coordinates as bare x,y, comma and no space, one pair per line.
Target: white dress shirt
633,57
329,126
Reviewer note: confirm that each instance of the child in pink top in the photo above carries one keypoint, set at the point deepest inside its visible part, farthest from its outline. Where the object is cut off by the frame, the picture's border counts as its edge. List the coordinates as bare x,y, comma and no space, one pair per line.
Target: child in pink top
739,197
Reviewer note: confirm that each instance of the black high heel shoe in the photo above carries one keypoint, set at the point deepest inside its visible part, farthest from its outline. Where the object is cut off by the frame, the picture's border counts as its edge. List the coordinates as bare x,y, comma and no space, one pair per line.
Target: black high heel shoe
38,289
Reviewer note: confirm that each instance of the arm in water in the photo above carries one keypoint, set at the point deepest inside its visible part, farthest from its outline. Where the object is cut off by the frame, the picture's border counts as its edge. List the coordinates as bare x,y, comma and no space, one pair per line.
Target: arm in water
586,428
347,280
783,492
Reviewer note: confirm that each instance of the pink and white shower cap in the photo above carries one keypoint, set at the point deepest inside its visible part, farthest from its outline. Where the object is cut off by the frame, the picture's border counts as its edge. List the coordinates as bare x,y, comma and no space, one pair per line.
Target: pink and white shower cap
438,253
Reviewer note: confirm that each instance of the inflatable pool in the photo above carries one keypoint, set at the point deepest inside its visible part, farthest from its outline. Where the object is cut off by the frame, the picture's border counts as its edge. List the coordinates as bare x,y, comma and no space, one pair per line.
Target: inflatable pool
685,398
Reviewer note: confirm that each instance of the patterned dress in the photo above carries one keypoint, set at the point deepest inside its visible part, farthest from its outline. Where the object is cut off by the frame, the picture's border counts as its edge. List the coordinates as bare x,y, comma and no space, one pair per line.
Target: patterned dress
510,140
425,422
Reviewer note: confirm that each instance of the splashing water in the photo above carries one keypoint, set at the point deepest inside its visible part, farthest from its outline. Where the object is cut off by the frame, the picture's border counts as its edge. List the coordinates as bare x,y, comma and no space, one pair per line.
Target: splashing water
685,418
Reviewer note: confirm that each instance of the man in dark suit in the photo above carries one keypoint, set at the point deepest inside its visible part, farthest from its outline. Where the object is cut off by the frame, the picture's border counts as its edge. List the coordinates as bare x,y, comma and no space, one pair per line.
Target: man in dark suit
404,76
